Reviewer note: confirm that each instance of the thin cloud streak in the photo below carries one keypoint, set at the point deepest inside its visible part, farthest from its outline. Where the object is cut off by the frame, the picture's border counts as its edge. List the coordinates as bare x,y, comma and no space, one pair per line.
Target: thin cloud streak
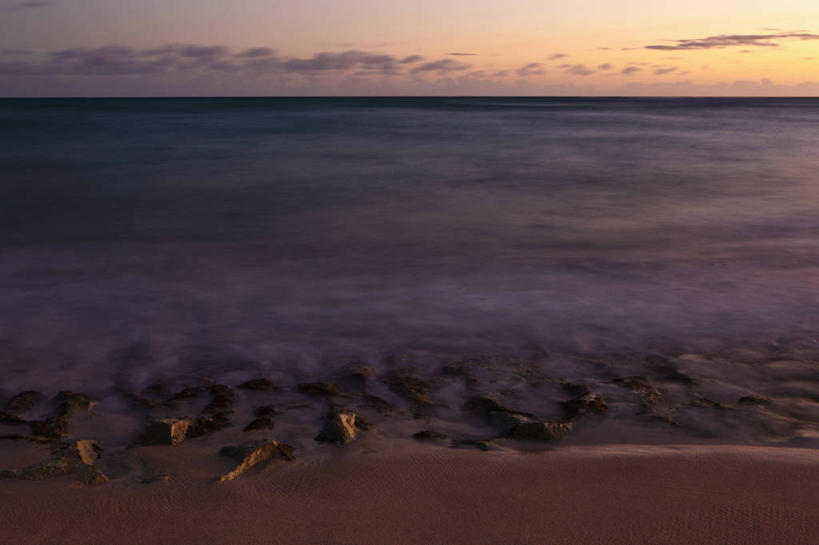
734,40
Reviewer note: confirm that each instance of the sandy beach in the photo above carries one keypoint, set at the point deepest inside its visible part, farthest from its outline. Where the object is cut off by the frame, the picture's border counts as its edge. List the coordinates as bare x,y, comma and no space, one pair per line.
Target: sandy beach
427,494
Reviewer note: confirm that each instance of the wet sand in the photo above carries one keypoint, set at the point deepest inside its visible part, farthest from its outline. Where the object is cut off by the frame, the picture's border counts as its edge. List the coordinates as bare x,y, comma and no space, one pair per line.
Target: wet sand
406,493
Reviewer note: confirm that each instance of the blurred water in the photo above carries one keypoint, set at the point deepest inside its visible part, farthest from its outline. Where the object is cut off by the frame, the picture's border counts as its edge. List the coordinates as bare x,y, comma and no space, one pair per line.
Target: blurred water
293,230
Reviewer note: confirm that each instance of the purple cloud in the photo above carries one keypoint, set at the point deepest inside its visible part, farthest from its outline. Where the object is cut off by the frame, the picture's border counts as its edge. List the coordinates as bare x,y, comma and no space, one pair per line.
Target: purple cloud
441,66
733,40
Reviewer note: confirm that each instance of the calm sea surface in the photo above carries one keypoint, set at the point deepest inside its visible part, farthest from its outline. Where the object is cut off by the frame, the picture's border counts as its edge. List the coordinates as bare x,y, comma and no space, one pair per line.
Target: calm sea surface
290,231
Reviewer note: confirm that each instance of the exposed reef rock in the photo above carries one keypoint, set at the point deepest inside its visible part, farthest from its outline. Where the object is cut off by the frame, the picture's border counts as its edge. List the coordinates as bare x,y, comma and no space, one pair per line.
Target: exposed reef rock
259,384
516,424
254,453
222,400
23,402
64,459
341,427
68,404
427,435
168,431
93,477
319,389
413,389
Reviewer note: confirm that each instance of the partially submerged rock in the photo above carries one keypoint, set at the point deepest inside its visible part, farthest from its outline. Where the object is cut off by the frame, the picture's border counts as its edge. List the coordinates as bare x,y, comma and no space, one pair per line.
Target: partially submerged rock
23,402
341,427
517,424
254,453
583,404
93,477
540,430
261,423
470,443
414,389
168,431
427,435
259,384
222,400
68,404
319,389
88,450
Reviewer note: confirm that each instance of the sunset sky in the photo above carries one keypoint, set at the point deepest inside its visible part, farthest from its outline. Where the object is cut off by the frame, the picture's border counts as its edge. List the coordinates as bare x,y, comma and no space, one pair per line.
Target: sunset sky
408,47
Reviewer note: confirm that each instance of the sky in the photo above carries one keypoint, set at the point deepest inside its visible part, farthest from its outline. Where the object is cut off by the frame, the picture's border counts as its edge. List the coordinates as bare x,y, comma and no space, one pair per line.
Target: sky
408,47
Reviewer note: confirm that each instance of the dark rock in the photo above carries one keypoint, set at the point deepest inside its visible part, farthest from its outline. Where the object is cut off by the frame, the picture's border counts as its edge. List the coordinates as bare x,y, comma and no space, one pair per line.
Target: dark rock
260,384
486,406
376,403
669,371
705,403
204,425
158,478
356,374
10,418
318,389
576,390
583,404
470,443
93,477
261,423
265,411
427,435
186,393
754,400
168,431
53,427
70,403
341,427
540,430
222,399
52,468
413,389
23,402
254,453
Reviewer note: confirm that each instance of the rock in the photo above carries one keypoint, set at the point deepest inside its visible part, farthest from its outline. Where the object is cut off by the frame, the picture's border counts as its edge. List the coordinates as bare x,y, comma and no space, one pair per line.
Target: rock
576,390
705,403
754,400
55,467
222,400
427,435
376,403
10,418
158,478
540,430
93,477
356,374
261,423
259,384
266,410
470,443
71,403
53,427
341,427
413,389
88,451
319,389
204,425
583,404
254,453
186,393
23,402
168,431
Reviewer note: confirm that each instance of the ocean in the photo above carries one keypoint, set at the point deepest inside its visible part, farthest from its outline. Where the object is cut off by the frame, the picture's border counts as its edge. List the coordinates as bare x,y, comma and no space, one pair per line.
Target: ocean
175,237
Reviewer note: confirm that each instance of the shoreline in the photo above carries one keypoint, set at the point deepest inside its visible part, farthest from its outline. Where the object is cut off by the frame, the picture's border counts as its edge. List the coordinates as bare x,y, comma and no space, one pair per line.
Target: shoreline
415,493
